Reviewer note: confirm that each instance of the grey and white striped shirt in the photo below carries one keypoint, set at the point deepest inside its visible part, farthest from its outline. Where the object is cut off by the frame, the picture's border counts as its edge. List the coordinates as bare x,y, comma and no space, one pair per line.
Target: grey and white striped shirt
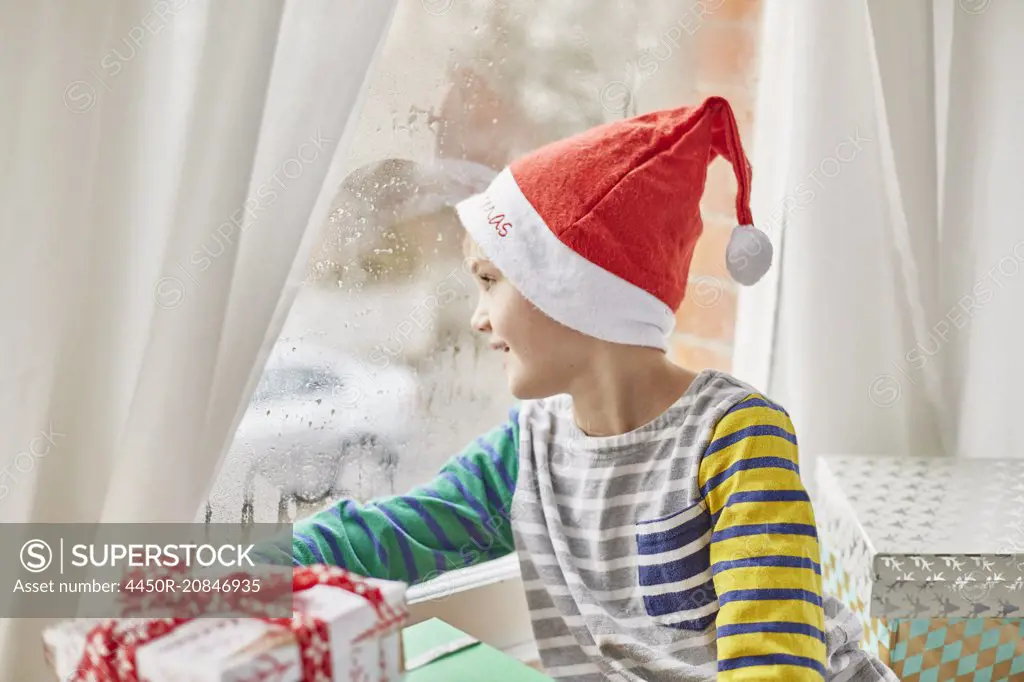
583,509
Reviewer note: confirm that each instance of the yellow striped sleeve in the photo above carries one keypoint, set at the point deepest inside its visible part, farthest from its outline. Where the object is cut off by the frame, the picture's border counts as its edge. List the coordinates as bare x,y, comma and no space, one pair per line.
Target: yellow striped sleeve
765,561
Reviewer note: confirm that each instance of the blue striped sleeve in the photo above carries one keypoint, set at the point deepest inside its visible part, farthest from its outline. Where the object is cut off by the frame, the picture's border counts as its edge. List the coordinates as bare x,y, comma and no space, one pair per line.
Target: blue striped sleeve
747,465
444,524
725,441
402,538
771,660
332,542
762,496
779,561
311,546
776,627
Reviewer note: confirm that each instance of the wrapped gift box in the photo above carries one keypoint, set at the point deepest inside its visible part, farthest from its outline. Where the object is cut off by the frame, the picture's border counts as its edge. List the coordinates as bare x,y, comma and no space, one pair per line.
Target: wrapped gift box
929,553
361,648
437,652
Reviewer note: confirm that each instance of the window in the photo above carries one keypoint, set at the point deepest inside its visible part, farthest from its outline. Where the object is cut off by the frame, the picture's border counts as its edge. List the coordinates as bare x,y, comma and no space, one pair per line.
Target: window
376,379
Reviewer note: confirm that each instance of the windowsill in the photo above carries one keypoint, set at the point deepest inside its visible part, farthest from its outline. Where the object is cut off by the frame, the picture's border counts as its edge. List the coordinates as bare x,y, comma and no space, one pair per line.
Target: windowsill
486,601
465,579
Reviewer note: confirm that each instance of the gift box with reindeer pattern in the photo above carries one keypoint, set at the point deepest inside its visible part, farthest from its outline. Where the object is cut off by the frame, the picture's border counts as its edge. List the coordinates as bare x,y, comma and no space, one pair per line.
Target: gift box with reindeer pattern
929,553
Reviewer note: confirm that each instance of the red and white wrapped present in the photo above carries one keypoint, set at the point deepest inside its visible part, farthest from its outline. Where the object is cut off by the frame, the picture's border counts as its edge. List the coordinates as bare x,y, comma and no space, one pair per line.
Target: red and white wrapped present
343,628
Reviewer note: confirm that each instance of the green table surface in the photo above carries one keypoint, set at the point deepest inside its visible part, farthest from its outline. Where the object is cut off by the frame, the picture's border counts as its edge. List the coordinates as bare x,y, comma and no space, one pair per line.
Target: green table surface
476,663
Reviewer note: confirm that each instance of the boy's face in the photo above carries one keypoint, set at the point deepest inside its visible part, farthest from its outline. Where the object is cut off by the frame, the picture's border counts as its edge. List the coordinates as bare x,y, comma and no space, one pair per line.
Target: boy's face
541,356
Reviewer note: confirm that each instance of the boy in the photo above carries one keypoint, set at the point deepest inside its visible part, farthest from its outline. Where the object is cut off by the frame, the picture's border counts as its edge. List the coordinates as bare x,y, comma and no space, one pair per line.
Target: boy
659,517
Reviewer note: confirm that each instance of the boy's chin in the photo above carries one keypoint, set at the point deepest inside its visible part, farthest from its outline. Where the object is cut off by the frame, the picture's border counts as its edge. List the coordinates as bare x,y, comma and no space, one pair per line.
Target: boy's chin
525,389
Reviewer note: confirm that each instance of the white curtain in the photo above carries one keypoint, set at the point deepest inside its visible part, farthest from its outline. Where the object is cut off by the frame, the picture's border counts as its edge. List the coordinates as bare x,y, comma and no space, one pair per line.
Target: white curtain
165,166
887,170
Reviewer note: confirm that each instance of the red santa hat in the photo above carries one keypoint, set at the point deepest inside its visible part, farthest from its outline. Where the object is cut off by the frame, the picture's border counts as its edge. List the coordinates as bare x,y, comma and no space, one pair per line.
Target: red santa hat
598,230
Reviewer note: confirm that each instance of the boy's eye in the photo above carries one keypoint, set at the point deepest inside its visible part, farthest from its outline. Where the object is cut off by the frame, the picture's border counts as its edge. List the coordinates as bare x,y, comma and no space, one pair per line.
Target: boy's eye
486,279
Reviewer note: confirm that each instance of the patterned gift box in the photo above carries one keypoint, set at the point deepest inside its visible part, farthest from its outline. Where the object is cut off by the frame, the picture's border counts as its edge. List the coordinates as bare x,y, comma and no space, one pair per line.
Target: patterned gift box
343,627
929,553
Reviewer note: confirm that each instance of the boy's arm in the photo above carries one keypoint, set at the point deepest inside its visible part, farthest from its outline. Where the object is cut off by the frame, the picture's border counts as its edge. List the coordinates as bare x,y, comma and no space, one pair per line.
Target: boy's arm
765,560
459,518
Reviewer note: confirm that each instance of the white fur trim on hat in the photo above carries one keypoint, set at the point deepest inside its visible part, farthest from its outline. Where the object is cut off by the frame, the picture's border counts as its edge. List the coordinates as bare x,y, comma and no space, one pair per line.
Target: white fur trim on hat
561,283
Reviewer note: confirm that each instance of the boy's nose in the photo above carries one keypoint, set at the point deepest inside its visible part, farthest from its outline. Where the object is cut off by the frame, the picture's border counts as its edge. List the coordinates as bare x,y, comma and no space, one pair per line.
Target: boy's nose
480,321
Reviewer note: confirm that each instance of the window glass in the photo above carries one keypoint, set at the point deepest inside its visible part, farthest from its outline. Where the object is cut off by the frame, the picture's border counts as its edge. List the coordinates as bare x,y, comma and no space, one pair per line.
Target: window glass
377,380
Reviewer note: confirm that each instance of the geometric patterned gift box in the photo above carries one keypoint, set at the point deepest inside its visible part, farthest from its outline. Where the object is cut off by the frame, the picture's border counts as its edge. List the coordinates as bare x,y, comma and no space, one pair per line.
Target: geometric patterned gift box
929,555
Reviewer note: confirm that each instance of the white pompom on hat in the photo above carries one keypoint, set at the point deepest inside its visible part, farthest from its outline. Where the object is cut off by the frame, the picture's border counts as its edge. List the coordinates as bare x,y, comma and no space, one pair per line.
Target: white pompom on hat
748,255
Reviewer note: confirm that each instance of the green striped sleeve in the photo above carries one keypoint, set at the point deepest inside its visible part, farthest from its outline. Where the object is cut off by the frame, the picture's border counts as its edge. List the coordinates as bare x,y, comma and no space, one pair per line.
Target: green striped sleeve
765,559
458,519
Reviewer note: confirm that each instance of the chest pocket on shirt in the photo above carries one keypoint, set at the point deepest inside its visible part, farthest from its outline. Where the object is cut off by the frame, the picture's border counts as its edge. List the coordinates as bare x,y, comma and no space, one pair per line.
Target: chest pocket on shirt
674,569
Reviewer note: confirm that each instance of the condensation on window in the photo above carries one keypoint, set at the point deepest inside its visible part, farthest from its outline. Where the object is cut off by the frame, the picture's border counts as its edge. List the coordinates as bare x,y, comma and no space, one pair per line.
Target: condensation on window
377,378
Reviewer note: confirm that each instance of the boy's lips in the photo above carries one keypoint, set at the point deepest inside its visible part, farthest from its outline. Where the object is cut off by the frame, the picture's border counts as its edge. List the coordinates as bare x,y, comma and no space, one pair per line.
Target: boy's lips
498,345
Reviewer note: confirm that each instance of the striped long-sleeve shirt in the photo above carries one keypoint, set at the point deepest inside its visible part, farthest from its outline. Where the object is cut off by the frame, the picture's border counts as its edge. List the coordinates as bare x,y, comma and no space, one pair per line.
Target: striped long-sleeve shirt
683,550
